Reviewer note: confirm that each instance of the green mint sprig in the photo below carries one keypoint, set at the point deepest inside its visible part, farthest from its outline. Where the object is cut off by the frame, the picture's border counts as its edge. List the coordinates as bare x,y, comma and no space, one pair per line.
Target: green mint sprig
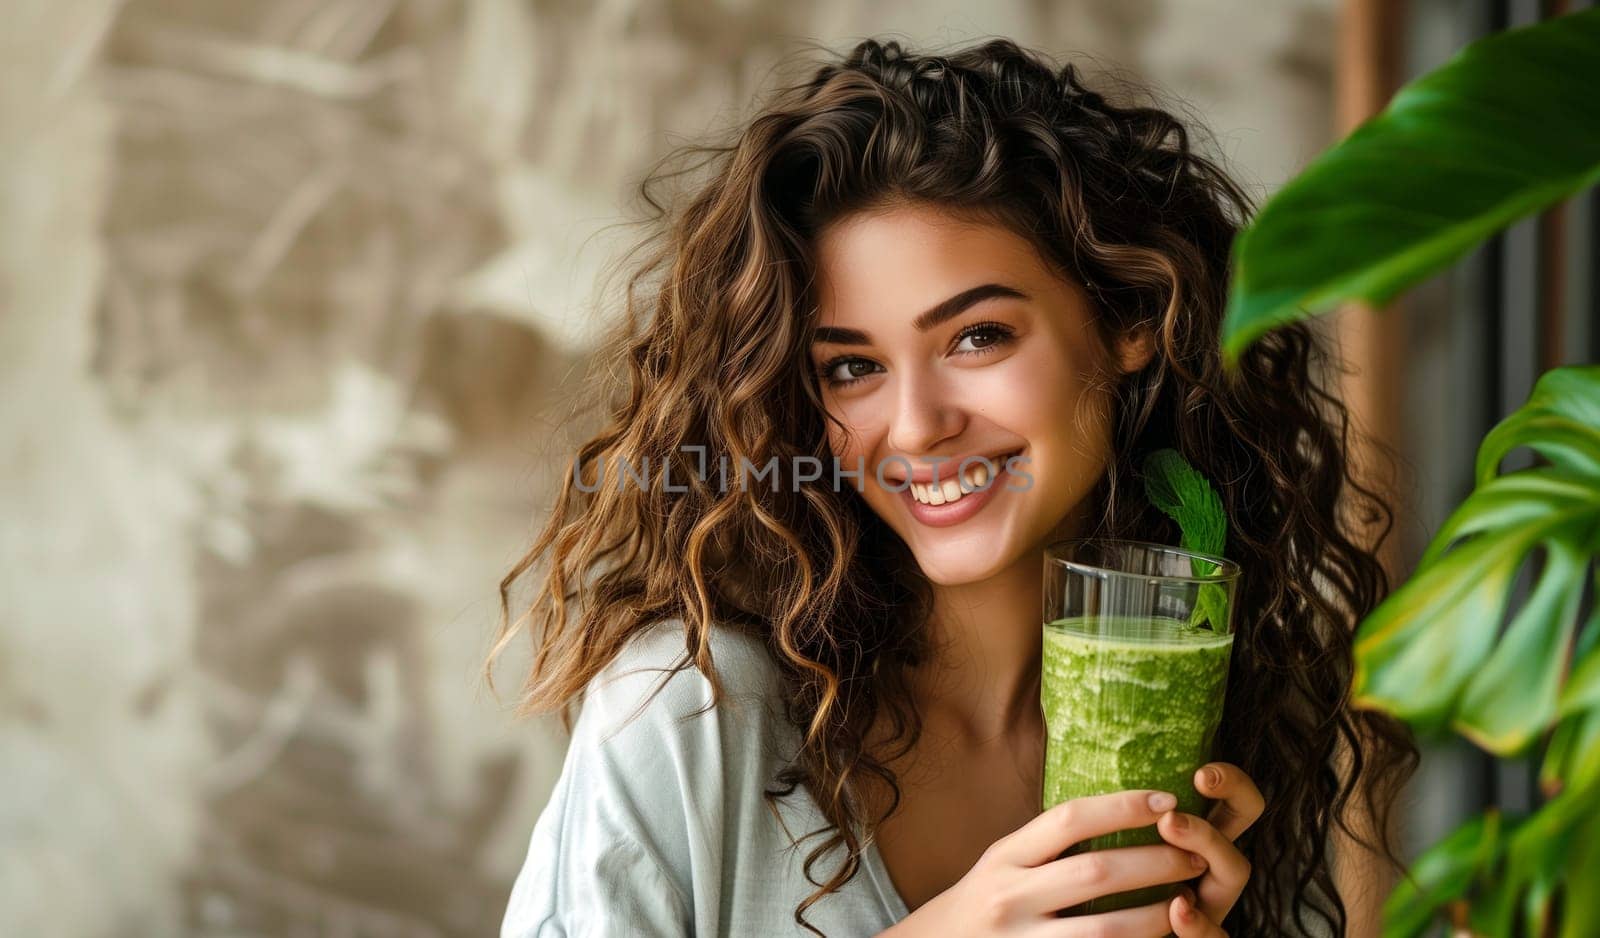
1187,497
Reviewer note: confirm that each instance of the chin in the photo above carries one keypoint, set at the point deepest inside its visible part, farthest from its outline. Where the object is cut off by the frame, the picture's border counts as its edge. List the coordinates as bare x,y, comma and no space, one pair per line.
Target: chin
949,568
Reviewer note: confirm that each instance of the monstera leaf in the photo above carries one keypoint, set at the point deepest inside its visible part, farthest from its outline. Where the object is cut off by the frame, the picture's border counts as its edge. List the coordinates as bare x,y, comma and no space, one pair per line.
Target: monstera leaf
1433,652
1509,126
1558,422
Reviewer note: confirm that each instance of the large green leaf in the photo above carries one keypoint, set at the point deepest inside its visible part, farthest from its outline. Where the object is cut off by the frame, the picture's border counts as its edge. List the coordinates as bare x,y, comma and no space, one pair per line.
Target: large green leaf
1572,760
1582,914
1418,648
1441,875
1502,869
1433,652
1428,653
1515,501
1511,699
1509,126
1583,687
1535,868
1561,421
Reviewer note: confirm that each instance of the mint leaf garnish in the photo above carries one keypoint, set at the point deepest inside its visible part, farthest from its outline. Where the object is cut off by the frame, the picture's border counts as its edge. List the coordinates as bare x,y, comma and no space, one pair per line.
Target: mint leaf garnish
1180,492
1184,495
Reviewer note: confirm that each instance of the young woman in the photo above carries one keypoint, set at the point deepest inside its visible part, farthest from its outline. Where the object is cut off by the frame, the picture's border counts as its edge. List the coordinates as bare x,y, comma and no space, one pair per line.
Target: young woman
810,697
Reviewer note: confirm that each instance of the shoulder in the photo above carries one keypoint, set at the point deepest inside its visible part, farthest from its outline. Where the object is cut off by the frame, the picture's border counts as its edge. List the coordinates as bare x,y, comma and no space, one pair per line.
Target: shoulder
652,762
666,642
655,782
652,690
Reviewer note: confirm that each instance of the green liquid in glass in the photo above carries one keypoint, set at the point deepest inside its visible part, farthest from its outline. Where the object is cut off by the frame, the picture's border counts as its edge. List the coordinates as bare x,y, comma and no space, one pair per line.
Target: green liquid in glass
1129,703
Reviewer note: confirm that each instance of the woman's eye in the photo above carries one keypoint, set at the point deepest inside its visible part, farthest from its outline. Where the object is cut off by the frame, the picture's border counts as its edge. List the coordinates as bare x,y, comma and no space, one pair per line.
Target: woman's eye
847,370
982,337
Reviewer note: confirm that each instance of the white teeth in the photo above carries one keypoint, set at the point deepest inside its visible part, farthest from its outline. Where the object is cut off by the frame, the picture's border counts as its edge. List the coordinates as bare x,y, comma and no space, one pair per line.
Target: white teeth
949,490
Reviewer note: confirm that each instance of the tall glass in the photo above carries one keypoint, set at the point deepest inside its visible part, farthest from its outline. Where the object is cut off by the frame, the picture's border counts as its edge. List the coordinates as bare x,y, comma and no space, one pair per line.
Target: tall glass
1137,639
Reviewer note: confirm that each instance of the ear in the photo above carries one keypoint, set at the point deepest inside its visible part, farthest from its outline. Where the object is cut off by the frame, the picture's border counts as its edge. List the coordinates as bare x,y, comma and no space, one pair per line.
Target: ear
1135,349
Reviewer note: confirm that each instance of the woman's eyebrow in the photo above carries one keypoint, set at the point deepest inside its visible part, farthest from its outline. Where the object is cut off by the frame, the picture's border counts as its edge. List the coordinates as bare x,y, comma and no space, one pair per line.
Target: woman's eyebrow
939,313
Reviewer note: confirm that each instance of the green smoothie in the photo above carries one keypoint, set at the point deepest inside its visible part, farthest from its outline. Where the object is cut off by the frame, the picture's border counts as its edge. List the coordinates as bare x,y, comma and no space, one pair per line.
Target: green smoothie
1129,703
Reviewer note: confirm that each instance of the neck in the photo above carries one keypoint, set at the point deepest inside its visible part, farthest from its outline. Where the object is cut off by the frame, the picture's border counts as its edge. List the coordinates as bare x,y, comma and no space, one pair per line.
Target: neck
982,678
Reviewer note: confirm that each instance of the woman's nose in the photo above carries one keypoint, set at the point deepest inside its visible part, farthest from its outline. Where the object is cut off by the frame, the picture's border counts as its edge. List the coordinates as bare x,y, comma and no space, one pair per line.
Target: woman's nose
926,412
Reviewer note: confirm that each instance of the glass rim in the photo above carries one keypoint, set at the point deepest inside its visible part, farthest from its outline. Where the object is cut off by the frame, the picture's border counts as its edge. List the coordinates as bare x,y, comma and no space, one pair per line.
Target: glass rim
1226,569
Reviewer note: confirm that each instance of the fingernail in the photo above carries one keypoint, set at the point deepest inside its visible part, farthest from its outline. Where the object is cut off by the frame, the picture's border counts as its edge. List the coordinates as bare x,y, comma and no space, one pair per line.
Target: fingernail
1185,910
1213,777
1197,861
1180,821
1163,801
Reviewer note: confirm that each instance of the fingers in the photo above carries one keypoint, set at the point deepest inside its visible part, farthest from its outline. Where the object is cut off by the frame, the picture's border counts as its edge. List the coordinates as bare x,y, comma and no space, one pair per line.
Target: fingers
1239,801
1046,836
1066,882
1144,921
1188,921
1227,870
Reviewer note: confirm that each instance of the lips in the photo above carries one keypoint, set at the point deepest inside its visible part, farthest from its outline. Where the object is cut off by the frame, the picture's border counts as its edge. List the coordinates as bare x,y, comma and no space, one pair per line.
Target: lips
958,511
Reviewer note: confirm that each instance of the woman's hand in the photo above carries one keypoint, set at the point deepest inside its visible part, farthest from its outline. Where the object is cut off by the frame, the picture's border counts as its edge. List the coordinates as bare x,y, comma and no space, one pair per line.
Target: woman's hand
1019,883
1197,913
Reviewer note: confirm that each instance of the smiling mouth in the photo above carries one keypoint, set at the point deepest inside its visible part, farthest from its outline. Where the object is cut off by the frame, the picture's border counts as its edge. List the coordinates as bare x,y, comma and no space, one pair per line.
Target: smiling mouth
948,491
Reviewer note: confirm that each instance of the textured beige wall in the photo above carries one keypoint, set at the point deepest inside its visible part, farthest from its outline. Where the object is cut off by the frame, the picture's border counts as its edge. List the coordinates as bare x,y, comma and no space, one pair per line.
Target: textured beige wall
290,296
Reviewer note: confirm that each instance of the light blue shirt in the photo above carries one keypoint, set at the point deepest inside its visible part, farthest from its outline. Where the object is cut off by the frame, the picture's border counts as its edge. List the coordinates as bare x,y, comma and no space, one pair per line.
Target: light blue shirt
657,826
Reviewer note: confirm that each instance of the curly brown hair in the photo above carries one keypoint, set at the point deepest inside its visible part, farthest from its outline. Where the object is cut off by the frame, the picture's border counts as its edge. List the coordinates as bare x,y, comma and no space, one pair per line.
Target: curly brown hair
718,321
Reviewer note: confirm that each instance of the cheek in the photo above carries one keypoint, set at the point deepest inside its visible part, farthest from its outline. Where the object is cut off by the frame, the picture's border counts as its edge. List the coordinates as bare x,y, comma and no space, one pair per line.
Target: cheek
1065,412
848,440
1044,394
852,423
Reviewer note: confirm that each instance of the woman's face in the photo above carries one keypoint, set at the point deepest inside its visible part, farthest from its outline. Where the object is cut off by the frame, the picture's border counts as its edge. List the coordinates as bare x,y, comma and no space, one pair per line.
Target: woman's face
942,339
